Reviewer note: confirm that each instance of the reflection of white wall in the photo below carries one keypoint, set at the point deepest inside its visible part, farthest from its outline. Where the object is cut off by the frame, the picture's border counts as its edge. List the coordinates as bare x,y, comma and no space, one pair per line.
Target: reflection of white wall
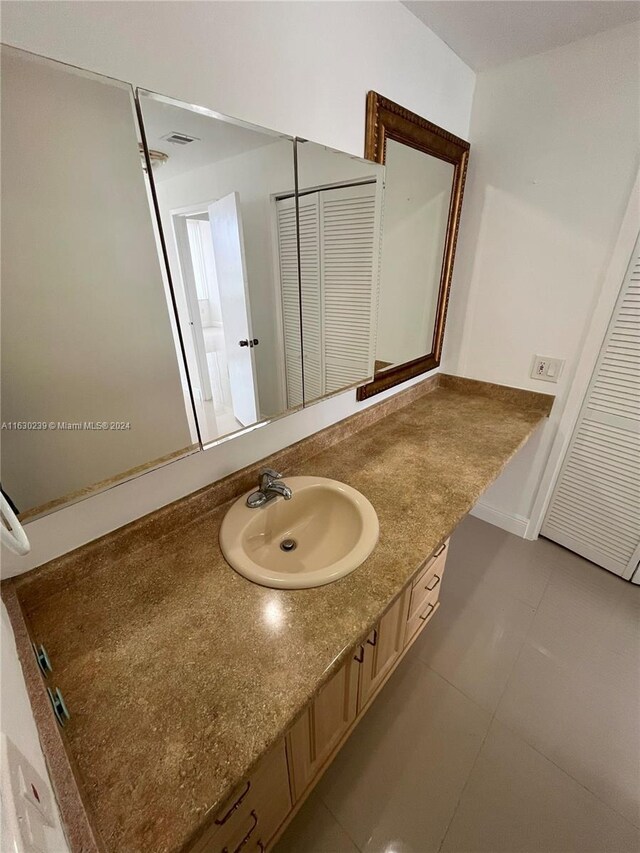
256,176
417,194
85,327
319,166
553,158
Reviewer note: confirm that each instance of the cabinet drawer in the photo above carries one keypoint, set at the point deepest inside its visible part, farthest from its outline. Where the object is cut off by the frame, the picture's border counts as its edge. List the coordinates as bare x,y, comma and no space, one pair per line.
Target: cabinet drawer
420,619
428,582
250,817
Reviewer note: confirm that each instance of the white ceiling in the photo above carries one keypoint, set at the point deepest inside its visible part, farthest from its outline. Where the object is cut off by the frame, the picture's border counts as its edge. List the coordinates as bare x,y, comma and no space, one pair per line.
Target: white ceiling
486,33
215,139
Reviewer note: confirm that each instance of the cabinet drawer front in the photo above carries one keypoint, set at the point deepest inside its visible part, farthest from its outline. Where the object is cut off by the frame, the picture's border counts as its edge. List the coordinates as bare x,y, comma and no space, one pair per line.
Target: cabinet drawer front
249,819
427,582
415,623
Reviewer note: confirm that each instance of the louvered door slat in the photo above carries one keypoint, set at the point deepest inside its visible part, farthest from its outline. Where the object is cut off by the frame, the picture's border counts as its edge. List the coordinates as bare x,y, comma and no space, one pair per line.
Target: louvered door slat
595,506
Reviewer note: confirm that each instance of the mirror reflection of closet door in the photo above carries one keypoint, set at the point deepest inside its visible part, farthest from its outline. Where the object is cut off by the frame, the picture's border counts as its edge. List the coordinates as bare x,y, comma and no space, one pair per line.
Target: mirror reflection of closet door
340,219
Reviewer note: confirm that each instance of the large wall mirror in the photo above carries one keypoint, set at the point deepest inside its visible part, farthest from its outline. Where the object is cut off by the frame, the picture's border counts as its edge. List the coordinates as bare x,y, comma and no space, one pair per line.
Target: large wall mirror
172,277
225,194
92,391
424,184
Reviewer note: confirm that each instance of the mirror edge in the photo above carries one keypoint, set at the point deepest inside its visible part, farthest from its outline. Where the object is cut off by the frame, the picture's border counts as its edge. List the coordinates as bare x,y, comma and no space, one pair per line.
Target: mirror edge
387,119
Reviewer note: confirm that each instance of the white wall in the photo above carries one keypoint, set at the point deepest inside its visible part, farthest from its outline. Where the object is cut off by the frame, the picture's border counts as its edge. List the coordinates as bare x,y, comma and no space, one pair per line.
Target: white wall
256,61
553,158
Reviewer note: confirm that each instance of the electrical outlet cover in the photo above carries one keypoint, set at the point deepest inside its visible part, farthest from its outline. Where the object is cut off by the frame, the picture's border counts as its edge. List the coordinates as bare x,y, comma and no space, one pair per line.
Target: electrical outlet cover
545,368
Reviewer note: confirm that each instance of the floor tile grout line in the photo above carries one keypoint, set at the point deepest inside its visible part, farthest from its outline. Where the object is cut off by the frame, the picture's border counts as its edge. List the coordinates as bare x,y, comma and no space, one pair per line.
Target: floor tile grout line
524,739
484,737
337,820
464,787
569,775
493,713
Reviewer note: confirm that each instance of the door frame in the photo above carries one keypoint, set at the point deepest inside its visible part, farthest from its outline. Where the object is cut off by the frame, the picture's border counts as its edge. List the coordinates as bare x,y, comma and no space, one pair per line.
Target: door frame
277,295
179,218
245,394
587,358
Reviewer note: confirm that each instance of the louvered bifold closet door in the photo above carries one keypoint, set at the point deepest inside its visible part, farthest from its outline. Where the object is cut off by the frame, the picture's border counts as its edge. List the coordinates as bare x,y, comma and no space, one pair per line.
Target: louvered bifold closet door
595,507
350,228
290,296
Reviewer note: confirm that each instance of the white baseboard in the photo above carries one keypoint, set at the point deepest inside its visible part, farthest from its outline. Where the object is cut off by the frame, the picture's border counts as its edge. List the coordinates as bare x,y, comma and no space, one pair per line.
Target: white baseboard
511,523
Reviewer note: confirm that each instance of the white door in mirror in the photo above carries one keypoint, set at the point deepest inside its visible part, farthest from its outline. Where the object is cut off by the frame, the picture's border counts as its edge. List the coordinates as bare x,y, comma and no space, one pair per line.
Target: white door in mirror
325,531
228,249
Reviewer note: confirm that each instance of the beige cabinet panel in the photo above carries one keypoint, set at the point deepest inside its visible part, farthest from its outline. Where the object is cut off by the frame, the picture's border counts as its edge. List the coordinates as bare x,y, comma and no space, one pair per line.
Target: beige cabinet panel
253,814
320,729
383,648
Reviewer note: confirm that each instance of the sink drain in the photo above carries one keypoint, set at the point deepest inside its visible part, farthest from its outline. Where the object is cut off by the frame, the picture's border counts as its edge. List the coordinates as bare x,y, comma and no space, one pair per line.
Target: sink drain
288,545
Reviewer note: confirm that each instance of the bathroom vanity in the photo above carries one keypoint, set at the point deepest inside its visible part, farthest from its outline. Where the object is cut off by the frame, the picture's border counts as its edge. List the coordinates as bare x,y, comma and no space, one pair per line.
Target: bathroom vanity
181,706
203,707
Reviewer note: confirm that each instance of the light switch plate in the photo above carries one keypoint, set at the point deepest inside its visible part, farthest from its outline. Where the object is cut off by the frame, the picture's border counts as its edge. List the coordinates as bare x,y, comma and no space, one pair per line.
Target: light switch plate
547,369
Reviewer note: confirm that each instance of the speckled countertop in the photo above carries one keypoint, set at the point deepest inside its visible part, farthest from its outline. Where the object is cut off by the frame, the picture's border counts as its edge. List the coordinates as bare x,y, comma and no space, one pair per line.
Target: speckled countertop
180,674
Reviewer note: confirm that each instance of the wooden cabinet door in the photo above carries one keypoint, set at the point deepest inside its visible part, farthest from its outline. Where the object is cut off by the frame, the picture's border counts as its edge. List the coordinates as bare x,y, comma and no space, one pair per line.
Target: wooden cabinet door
317,733
382,649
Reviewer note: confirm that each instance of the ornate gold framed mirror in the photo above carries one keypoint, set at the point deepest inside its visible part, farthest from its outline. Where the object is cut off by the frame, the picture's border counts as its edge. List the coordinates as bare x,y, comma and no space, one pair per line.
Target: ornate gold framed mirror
425,174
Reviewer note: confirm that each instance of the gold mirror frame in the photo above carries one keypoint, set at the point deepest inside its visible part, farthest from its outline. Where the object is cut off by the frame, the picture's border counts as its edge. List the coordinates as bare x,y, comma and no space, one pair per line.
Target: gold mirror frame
388,120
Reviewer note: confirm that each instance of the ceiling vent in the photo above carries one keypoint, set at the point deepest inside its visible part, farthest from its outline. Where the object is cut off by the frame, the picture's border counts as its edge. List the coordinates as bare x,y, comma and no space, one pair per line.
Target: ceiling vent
180,138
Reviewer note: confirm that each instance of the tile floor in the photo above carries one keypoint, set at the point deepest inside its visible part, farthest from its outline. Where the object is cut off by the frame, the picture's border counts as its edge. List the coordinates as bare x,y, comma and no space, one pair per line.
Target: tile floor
512,726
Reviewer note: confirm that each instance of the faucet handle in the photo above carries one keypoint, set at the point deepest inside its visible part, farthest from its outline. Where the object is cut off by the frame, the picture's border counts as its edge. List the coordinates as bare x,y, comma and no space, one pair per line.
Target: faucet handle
267,476
269,472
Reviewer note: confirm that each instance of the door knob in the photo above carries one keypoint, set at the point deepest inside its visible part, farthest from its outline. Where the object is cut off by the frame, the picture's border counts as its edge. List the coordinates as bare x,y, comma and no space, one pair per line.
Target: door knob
251,343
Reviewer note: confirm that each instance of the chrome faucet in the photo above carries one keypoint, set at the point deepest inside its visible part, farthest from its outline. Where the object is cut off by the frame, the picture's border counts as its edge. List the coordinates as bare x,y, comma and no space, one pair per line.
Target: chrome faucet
269,489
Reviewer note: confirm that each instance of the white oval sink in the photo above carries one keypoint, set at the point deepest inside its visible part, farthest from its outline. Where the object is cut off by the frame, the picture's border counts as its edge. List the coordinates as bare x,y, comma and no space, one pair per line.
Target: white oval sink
333,526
